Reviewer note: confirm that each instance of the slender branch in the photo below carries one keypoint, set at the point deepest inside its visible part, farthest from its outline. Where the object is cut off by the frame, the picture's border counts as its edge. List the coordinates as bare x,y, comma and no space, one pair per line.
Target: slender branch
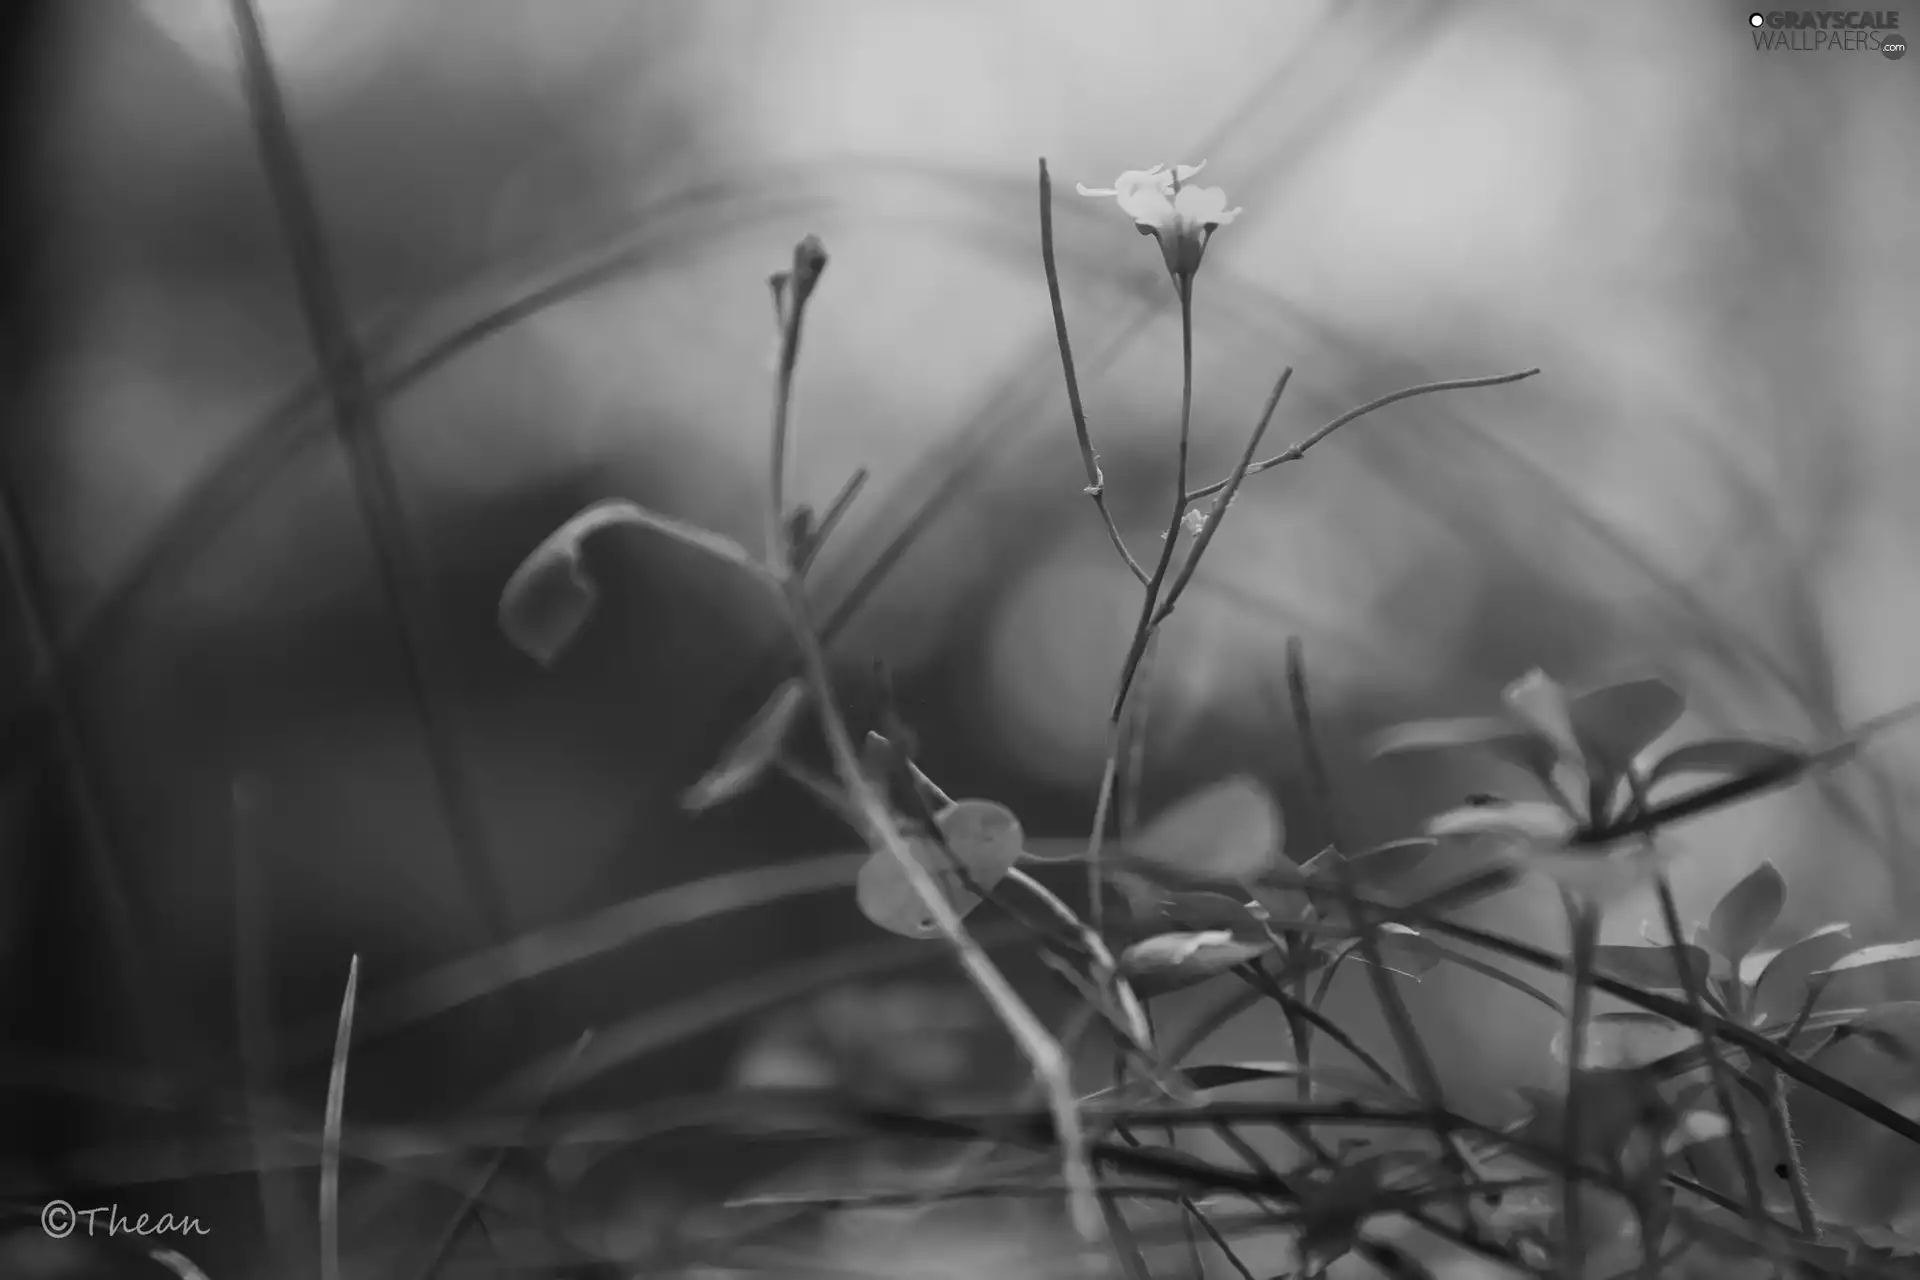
1042,1051
835,513
1142,630
1096,482
1240,471
1298,451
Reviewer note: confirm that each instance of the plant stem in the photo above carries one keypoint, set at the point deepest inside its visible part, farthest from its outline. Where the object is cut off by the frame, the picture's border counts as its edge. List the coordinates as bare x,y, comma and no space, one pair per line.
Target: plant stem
1042,1051
1143,629
1721,1077
1096,482
1583,922
1782,1115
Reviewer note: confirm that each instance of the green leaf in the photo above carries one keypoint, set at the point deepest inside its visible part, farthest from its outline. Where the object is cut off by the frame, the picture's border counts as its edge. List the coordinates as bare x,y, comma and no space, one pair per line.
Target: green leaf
1526,820
1780,978
1881,1026
1439,951
1538,701
1404,950
1651,968
985,839
1231,831
1205,909
1743,916
755,748
1621,1041
1869,957
1174,960
1386,863
1225,1075
1497,736
1726,758
550,597
1616,722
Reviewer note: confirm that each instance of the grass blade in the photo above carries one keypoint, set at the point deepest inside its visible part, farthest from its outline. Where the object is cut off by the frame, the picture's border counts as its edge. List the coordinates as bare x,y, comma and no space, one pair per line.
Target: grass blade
330,1131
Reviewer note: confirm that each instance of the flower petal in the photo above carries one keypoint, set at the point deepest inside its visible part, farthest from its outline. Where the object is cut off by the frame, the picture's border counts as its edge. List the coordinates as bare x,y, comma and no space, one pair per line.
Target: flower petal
1146,201
1086,190
1203,205
1181,172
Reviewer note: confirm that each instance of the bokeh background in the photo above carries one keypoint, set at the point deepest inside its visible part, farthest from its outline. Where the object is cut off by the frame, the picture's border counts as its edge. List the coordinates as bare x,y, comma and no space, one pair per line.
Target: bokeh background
218,783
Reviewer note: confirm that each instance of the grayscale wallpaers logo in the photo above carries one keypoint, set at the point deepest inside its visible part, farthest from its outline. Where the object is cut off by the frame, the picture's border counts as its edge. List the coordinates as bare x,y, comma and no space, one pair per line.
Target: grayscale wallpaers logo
1829,31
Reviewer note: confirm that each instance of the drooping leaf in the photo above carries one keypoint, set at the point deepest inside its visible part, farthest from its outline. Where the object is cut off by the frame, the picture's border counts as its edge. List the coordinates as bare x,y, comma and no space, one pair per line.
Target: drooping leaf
1869,957
984,838
1497,736
1780,978
1230,831
1174,960
752,751
1652,968
1615,723
549,598
1745,913
1726,758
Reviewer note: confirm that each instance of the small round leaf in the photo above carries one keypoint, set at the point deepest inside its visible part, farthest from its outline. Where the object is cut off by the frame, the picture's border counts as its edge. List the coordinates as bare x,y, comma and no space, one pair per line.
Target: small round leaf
984,838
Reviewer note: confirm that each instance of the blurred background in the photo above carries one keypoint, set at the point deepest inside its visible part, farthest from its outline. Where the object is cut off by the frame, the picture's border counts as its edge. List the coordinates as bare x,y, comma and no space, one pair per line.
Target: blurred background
552,226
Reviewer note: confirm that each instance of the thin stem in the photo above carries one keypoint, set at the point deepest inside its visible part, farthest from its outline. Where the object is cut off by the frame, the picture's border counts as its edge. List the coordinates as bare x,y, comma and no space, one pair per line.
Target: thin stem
1583,922
1207,531
1096,482
1152,614
1184,286
1298,451
1797,1180
1392,1002
1137,648
1720,1076
835,513
1042,1051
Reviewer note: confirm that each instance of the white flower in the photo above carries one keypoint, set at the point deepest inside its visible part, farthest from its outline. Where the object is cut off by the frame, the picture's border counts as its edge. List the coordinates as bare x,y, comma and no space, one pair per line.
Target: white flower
1180,217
